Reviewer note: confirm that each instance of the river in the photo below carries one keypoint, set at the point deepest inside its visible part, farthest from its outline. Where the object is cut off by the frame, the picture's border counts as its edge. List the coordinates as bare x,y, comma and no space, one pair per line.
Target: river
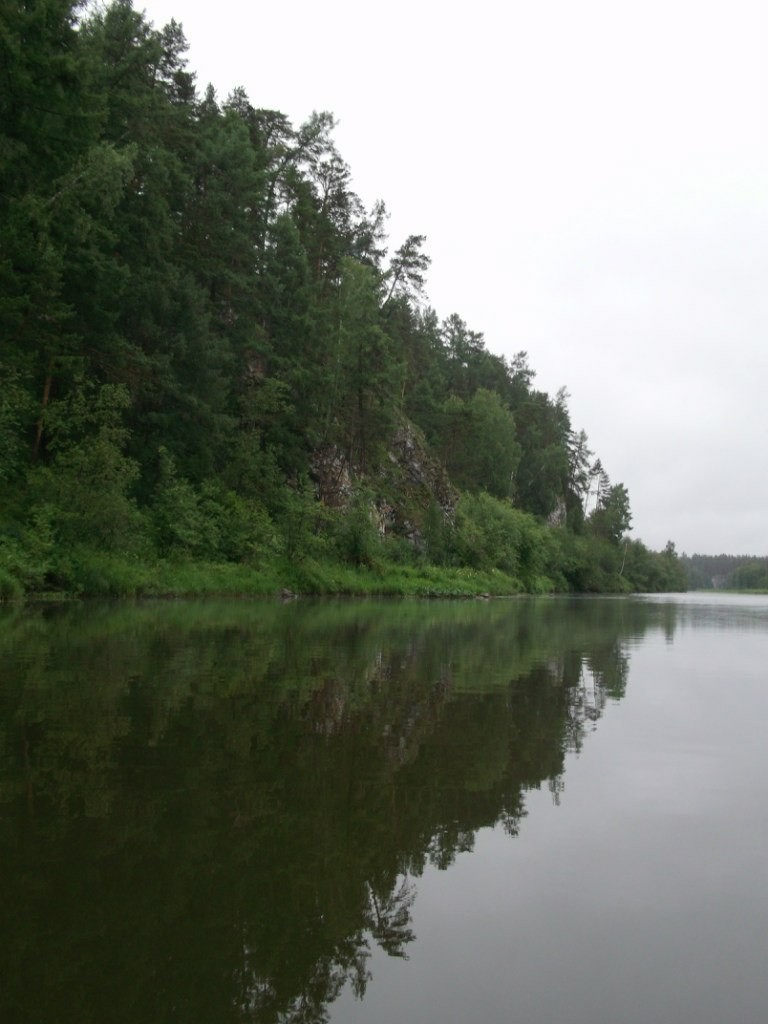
524,810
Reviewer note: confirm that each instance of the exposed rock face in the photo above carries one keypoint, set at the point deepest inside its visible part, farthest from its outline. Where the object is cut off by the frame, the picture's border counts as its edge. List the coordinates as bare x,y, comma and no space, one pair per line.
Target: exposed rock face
332,476
421,473
408,483
384,517
415,482
558,516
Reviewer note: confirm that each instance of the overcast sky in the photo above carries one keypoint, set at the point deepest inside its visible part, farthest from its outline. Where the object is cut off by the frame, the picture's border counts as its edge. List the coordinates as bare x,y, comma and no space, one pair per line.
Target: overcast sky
592,179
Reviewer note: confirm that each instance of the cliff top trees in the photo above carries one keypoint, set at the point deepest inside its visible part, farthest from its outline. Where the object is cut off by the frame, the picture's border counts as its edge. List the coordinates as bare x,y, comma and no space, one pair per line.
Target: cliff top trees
212,263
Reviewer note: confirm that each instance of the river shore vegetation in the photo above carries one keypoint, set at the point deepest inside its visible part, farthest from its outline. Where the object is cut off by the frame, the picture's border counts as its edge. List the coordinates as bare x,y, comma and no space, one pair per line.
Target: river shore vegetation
742,573
218,376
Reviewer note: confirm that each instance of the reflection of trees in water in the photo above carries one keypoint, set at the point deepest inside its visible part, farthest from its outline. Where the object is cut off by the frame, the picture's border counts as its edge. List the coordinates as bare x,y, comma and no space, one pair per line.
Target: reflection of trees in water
598,676
386,920
229,806
390,920
259,1001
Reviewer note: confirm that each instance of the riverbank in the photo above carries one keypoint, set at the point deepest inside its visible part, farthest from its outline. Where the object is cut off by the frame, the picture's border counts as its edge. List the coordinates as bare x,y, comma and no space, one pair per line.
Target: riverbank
107,575
482,561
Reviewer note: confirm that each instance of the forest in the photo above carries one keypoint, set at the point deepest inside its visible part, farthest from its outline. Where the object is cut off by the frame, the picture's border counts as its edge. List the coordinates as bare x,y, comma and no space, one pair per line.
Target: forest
725,572
219,375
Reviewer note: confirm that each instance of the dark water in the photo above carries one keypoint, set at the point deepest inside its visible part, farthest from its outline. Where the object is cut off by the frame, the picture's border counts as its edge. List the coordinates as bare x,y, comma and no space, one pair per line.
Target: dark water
520,811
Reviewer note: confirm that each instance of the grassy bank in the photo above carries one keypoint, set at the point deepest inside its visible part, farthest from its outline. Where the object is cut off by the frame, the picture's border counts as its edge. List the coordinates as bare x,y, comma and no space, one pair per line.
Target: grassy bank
492,548
108,575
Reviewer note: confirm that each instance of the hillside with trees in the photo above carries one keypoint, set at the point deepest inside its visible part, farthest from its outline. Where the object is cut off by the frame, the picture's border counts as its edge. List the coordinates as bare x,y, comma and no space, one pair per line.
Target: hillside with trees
725,572
216,366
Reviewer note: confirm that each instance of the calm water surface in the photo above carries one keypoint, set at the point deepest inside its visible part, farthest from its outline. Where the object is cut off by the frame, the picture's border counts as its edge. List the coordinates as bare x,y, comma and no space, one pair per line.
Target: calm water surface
522,811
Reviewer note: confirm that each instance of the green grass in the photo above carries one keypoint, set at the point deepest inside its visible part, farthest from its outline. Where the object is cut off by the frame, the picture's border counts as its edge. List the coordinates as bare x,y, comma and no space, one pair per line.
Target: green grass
85,573
382,578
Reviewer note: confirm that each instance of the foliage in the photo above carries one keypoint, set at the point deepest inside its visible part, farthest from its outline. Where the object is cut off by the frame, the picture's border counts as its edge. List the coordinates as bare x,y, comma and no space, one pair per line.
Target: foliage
612,517
85,489
194,302
479,444
357,539
750,576
492,534
738,572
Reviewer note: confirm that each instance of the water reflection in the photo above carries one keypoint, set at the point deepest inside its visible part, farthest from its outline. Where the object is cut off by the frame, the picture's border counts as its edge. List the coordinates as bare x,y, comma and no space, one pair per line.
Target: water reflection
215,811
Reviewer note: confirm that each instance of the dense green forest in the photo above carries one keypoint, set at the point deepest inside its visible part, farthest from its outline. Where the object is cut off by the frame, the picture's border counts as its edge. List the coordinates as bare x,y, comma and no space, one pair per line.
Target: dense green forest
218,374
725,572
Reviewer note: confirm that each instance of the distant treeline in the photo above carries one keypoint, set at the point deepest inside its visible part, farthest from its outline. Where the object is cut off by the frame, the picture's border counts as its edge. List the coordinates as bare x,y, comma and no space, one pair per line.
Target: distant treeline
725,572
209,353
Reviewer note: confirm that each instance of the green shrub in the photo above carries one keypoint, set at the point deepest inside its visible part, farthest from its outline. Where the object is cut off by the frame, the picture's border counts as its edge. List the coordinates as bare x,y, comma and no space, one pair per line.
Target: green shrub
10,588
85,492
357,539
492,534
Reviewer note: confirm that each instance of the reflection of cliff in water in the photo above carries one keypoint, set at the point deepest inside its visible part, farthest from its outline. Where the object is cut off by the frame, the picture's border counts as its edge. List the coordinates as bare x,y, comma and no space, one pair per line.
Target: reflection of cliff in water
214,811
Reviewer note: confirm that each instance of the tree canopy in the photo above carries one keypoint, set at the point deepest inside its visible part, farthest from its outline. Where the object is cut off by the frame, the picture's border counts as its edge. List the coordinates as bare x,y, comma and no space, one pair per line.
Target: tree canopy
194,303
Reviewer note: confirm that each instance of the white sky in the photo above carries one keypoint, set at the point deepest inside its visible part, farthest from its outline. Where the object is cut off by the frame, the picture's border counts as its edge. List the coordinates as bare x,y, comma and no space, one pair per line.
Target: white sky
592,179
